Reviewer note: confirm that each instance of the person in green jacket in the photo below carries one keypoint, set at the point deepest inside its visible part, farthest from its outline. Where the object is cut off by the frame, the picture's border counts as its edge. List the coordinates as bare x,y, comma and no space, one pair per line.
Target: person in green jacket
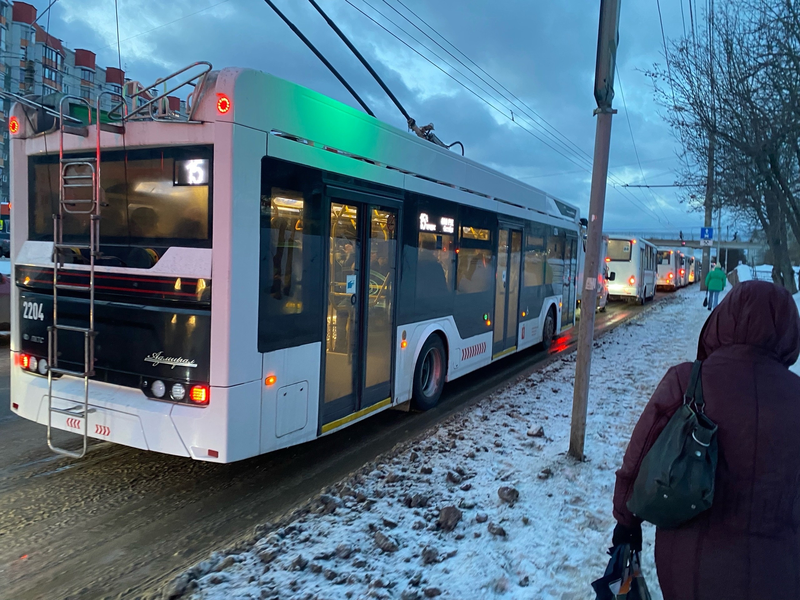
715,283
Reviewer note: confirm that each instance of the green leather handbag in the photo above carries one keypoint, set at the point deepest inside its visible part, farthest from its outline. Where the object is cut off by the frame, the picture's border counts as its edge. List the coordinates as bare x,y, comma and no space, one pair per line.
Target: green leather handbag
676,478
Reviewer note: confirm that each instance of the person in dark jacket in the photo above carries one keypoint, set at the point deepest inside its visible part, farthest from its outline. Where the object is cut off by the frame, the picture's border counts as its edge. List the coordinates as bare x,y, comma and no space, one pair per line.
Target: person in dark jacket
747,545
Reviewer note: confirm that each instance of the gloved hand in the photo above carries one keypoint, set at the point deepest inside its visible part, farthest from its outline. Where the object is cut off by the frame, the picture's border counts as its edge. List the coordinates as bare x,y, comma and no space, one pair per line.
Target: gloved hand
627,535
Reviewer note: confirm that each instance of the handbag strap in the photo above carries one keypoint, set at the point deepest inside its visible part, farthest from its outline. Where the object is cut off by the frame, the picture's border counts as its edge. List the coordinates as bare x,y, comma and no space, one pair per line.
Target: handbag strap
694,393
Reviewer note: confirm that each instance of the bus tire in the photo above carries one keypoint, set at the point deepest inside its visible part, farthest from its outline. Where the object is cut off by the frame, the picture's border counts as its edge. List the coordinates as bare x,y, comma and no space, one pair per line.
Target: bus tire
429,374
549,329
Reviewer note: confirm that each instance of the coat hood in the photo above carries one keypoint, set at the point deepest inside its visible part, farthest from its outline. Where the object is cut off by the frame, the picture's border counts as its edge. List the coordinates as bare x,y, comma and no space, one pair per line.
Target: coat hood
758,314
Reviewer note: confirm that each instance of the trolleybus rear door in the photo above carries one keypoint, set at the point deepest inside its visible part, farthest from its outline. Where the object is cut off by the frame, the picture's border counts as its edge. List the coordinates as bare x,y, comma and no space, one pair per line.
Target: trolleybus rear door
359,341
506,301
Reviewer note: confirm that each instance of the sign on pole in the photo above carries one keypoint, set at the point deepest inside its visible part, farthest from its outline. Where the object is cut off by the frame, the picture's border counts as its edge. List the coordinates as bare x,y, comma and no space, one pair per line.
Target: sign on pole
706,233
708,243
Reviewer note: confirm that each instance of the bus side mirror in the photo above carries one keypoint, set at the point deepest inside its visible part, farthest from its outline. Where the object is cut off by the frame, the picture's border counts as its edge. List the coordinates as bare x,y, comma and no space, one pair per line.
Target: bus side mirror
612,276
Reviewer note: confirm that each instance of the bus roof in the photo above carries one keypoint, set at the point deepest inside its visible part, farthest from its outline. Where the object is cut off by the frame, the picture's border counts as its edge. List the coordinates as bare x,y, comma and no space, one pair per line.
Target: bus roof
293,113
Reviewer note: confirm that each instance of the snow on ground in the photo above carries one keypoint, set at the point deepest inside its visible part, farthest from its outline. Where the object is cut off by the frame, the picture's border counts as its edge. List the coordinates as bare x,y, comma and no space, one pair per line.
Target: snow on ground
744,272
485,505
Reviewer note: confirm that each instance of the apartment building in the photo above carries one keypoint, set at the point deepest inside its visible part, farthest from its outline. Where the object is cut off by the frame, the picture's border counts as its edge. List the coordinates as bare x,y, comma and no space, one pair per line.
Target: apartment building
33,62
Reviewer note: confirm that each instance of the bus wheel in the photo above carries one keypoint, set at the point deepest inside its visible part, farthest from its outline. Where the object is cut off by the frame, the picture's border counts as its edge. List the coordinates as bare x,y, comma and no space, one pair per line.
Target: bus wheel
549,330
429,374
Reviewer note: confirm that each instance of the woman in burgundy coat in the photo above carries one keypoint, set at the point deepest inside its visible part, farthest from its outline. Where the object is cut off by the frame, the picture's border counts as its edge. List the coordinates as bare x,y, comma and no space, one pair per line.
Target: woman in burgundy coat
747,545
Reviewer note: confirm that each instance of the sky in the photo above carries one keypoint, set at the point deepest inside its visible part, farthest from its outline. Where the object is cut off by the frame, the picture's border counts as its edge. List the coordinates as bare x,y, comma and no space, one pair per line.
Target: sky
543,54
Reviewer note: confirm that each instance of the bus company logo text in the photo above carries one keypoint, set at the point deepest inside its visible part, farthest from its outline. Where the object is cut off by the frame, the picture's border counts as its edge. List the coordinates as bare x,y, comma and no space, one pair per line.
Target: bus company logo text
158,358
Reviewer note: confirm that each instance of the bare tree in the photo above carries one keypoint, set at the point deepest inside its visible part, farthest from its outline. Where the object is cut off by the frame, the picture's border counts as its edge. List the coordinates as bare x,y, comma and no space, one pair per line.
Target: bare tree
737,82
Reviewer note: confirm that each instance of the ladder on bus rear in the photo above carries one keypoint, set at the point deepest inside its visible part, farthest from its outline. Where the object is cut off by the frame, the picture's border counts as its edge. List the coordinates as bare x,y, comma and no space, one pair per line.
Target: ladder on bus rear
79,195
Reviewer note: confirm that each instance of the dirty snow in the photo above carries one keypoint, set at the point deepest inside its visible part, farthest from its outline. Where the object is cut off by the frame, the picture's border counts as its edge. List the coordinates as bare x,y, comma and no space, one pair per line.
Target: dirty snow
486,504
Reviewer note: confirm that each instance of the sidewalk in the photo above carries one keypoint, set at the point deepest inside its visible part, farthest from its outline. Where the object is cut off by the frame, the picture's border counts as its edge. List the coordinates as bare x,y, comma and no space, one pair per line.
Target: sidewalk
487,504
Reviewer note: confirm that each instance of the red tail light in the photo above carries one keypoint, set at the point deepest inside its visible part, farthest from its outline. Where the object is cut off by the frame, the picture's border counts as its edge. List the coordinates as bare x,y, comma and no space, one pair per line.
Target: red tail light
671,275
13,125
199,394
632,280
683,272
223,104
25,361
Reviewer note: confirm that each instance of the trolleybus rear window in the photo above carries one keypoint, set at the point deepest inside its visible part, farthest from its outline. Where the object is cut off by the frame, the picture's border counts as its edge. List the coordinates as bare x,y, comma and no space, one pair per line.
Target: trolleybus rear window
152,198
619,249
663,257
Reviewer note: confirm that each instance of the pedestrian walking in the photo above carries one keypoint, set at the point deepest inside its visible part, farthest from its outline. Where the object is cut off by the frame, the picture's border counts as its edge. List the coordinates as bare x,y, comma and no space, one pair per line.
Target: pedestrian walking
715,283
746,546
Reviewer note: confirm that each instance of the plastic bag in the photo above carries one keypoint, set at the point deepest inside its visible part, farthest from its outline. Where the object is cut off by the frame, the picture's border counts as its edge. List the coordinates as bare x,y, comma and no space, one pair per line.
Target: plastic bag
705,301
623,579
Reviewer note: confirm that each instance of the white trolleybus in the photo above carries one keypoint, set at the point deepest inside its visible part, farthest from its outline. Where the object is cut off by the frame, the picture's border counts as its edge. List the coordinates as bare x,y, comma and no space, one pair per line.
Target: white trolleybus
669,275
631,269
267,269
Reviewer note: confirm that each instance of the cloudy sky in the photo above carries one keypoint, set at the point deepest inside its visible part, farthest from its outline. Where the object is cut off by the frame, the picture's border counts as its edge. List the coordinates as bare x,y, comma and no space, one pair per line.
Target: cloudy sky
542,52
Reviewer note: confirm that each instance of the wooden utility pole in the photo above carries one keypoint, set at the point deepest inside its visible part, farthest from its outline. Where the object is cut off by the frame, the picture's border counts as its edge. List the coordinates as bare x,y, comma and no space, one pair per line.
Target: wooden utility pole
607,40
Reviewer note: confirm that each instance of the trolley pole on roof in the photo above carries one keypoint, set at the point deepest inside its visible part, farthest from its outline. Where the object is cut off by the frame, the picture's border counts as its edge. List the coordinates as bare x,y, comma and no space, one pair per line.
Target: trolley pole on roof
607,41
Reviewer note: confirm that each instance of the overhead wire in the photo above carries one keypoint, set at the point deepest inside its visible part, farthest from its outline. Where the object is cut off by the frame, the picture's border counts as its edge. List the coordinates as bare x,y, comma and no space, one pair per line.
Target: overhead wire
666,52
497,93
540,117
462,84
635,149
451,76
581,154
197,12
45,11
320,56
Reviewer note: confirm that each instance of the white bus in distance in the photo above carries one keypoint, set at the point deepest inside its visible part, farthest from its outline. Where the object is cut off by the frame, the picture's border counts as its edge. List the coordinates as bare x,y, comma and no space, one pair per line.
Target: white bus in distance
602,275
273,269
631,269
668,270
691,269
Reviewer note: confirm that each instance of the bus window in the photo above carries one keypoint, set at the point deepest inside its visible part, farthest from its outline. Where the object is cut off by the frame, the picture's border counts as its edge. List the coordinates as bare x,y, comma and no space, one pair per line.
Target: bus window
534,258
555,268
147,200
290,297
619,250
434,265
663,257
474,271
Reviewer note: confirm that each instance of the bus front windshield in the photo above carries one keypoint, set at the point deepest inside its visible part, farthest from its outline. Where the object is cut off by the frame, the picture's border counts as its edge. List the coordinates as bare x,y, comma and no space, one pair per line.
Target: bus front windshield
619,250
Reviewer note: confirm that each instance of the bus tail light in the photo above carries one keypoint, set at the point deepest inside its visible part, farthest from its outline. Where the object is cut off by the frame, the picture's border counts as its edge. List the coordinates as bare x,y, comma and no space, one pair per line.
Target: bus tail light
223,104
632,280
25,361
199,394
13,126
671,275
683,272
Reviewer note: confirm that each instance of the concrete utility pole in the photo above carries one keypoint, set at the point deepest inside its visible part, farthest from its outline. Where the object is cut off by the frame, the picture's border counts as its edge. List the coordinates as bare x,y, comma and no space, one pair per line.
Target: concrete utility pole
709,202
607,41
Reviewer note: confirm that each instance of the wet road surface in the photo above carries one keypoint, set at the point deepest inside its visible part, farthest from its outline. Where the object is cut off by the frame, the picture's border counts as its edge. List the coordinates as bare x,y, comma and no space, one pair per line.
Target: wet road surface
121,522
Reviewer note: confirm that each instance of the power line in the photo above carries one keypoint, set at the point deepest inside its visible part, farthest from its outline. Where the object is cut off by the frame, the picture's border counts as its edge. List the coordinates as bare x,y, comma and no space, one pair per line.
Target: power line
197,12
588,159
450,75
633,140
433,29
49,6
666,53
531,121
627,194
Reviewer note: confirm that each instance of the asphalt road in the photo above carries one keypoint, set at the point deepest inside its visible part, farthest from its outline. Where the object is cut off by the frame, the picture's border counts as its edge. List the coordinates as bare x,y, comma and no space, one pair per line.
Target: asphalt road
121,522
